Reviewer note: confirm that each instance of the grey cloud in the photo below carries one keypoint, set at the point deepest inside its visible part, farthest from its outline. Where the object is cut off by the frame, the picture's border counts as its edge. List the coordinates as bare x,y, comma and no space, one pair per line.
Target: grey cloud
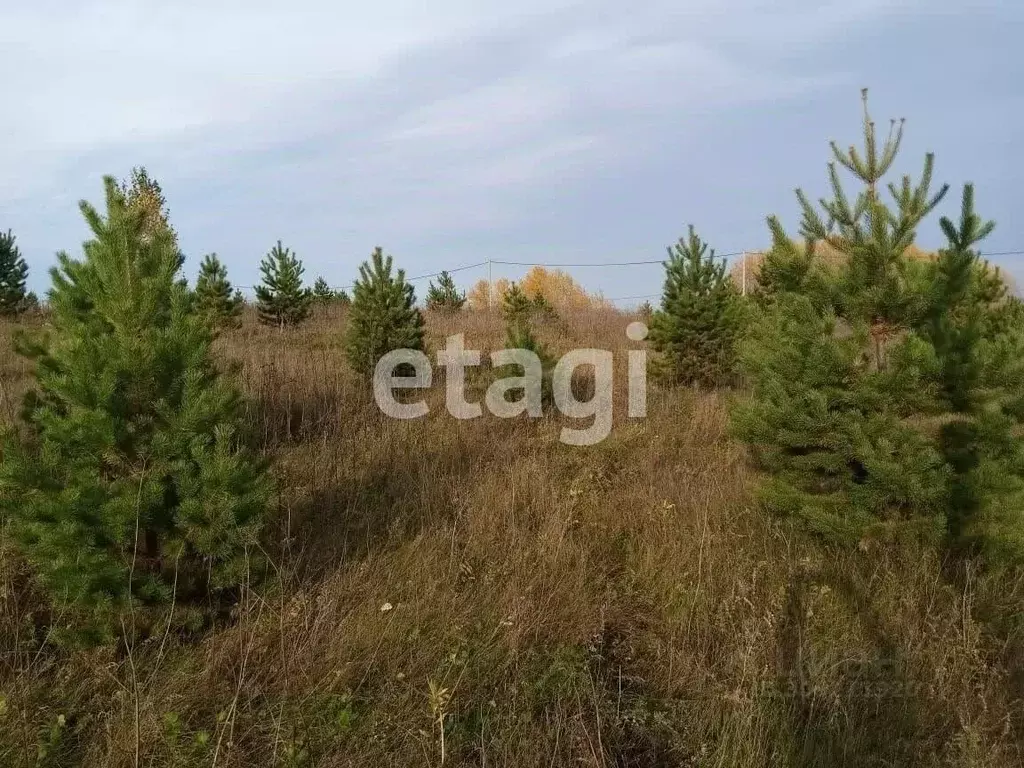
435,130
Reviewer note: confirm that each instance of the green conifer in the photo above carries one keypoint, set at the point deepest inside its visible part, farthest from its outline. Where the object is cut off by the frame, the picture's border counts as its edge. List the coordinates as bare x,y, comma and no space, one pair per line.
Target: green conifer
444,297
133,487
790,267
324,295
281,299
383,315
519,311
31,303
322,292
543,308
13,274
977,331
886,391
214,295
696,328
516,306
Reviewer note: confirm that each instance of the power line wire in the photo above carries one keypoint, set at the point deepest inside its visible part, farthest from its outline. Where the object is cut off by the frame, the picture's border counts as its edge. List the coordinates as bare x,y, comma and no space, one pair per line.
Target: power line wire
593,264
596,264
628,298
450,271
415,277
544,264
423,277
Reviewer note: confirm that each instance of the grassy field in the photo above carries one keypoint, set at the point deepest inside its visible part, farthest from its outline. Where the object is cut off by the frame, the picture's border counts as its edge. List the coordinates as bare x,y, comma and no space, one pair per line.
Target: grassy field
476,593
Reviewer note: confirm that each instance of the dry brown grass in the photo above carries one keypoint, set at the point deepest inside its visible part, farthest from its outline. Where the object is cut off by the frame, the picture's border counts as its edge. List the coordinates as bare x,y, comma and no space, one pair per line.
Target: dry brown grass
624,604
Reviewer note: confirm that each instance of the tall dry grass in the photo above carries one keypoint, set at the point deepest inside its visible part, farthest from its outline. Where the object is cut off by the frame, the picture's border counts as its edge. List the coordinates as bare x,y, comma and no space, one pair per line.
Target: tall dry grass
620,605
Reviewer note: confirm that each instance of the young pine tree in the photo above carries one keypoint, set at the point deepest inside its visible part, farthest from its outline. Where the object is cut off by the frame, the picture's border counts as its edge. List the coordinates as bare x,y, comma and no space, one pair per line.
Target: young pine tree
543,308
324,295
281,299
886,390
31,302
322,292
214,296
383,315
132,487
13,273
444,296
518,310
977,331
516,306
696,329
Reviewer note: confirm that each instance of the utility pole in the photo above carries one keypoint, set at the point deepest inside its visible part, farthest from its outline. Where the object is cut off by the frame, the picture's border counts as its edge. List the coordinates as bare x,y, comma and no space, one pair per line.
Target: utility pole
490,286
743,282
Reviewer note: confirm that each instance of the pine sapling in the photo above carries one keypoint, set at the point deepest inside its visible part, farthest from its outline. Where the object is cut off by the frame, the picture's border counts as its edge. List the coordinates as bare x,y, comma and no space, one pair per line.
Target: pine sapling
13,275
887,391
322,292
383,315
133,489
214,296
281,298
445,297
696,329
516,306
518,311
542,308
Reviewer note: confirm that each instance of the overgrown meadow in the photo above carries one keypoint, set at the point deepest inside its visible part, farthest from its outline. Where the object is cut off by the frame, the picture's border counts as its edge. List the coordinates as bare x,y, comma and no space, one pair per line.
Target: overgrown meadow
217,550
622,604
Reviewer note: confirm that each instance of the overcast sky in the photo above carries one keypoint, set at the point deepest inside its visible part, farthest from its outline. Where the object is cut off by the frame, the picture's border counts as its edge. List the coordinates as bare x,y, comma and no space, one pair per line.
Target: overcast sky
541,130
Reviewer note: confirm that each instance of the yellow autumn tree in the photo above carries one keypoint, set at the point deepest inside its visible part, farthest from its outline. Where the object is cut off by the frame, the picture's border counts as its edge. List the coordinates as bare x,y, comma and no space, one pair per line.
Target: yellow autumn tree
143,193
477,297
560,289
557,287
